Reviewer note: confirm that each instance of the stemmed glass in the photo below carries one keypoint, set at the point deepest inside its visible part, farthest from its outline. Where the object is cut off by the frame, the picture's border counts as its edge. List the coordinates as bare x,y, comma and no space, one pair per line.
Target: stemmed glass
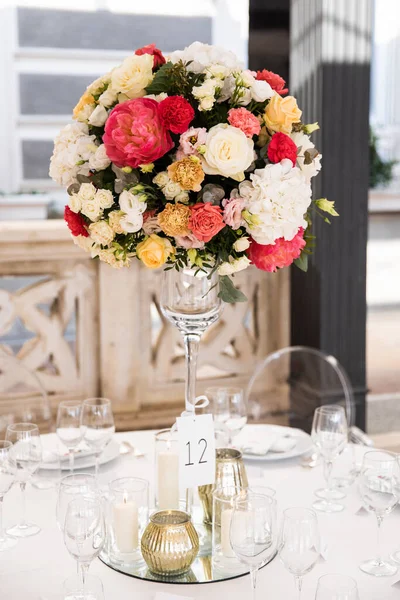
229,409
329,434
73,487
84,535
69,428
299,543
253,531
378,485
27,454
72,588
98,425
8,469
336,587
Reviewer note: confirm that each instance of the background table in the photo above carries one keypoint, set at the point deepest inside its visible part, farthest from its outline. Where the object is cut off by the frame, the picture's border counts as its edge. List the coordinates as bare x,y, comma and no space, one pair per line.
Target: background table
37,566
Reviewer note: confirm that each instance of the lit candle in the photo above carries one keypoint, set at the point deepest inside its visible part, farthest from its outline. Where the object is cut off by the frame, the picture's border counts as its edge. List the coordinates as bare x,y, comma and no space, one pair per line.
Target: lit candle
226,517
126,525
168,479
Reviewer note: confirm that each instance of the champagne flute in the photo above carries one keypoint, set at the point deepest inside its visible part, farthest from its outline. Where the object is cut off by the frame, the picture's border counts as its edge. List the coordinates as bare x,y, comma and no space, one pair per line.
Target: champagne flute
69,428
93,588
73,487
253,531
8,469
336,587
329,434
98,425
84,535
379,490
27,454
299,543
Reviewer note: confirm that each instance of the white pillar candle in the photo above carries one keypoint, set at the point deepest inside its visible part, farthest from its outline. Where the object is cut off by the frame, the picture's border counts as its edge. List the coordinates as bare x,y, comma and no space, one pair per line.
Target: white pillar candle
168,480
126,526
226,518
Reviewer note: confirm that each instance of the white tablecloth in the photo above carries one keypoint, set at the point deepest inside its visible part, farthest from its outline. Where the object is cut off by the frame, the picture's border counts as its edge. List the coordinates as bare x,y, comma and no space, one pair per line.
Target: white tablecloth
37,566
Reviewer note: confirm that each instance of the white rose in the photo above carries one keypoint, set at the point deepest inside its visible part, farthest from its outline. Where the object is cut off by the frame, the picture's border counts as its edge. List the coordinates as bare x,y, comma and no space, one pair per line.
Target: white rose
87,191
75,203
108,97
91,209
171,190
99,160
157,97
182,197
86,244
225,269
132,222
133,76
261,91
98,116
228,152
101,233
105,198
130,202
241,244
233,266
161,179
207,103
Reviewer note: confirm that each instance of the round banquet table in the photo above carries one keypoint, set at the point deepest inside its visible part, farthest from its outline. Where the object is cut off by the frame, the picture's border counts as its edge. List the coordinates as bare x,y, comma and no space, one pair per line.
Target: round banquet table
36,568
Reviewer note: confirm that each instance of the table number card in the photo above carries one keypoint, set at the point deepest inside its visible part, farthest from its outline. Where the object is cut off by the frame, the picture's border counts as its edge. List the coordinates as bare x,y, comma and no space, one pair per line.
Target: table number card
196,442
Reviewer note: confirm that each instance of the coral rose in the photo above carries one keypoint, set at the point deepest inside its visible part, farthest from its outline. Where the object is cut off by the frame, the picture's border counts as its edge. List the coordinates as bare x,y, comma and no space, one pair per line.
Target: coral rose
205,221
154,251
176,113
174,219
134,134
280,147
75,222
280,113
244,120
187,172
270,257
158,58
275,81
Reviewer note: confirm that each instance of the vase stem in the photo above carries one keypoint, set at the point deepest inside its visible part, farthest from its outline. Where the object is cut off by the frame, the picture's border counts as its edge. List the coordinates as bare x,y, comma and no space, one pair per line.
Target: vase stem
192,341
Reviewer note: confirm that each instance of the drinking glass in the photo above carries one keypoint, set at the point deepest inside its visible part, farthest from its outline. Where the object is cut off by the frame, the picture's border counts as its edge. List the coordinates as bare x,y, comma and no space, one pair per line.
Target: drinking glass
336,587
73,487
329,434
228,406
27,454
299,543
72,588
378,484
69,428
84,535
98,425
253,531
8,469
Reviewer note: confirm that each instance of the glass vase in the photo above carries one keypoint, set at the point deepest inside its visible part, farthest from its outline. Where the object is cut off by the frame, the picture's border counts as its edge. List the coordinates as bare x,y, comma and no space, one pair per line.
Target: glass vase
189,300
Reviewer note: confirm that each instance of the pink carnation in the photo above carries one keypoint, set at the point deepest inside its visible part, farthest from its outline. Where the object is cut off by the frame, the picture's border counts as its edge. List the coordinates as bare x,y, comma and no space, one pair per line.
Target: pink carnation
190,141
270,257
134,134
233,211
189,241
243,119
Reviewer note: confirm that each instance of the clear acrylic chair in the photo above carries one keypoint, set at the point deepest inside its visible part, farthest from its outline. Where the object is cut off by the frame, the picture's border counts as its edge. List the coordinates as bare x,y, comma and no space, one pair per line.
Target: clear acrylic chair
23,398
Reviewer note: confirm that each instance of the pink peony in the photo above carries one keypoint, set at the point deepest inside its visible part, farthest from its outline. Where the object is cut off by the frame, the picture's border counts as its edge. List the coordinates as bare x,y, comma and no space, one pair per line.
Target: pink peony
233,211
270,257
190,141
189,241
243,119
134,134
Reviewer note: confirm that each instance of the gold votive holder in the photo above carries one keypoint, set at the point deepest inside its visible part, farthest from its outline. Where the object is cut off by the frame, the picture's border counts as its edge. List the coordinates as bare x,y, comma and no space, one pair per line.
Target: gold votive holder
230,474
170,543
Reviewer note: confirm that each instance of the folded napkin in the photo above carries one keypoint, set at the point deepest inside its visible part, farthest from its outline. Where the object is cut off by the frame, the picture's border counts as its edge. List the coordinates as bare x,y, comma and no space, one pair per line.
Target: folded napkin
260,441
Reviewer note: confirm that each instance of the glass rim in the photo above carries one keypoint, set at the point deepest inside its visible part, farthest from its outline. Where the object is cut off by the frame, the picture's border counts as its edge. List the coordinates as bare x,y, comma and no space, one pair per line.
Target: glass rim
182,517
68,479
158,435
306,511
70,403
243,499
348,578
113,485
5,444
93,401
22,427
330,408
229,389
263,487
390,456
228,454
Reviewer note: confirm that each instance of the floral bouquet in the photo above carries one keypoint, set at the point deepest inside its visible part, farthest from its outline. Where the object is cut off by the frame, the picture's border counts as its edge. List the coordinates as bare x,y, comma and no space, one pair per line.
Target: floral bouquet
190,160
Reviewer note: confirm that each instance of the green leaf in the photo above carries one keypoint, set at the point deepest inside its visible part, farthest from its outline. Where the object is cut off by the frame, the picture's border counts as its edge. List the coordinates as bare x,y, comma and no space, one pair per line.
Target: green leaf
309,155
302,262
227,291
161,81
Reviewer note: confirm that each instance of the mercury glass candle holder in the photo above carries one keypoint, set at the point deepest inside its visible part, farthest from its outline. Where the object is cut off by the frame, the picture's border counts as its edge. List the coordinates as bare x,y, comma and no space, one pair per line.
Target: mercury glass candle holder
170,543
128,512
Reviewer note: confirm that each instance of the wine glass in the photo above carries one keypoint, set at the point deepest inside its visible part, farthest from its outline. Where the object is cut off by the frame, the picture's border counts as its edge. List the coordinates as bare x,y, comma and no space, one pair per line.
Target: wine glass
73,487
253,531
329,434
229,409
8,469
84,535
72,588
68,427
336,587
378,484
98,425
27,454
395,556
299,543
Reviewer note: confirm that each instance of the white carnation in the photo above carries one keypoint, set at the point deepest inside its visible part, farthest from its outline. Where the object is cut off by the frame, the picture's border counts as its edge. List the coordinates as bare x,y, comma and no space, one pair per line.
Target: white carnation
73,147
276,202
101,233
203,56
303,142
105,198
98,116
99,160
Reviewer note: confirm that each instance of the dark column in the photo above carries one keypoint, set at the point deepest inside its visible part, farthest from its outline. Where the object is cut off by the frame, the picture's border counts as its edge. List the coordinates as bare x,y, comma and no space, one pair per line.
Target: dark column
330,76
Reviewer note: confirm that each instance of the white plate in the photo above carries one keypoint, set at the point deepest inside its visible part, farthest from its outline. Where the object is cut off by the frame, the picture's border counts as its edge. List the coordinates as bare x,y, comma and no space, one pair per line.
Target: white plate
110,453
303,441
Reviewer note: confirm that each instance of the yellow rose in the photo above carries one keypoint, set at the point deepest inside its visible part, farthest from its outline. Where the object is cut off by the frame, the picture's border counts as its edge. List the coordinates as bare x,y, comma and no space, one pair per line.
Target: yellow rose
85,100
281,113
154,251
133,76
